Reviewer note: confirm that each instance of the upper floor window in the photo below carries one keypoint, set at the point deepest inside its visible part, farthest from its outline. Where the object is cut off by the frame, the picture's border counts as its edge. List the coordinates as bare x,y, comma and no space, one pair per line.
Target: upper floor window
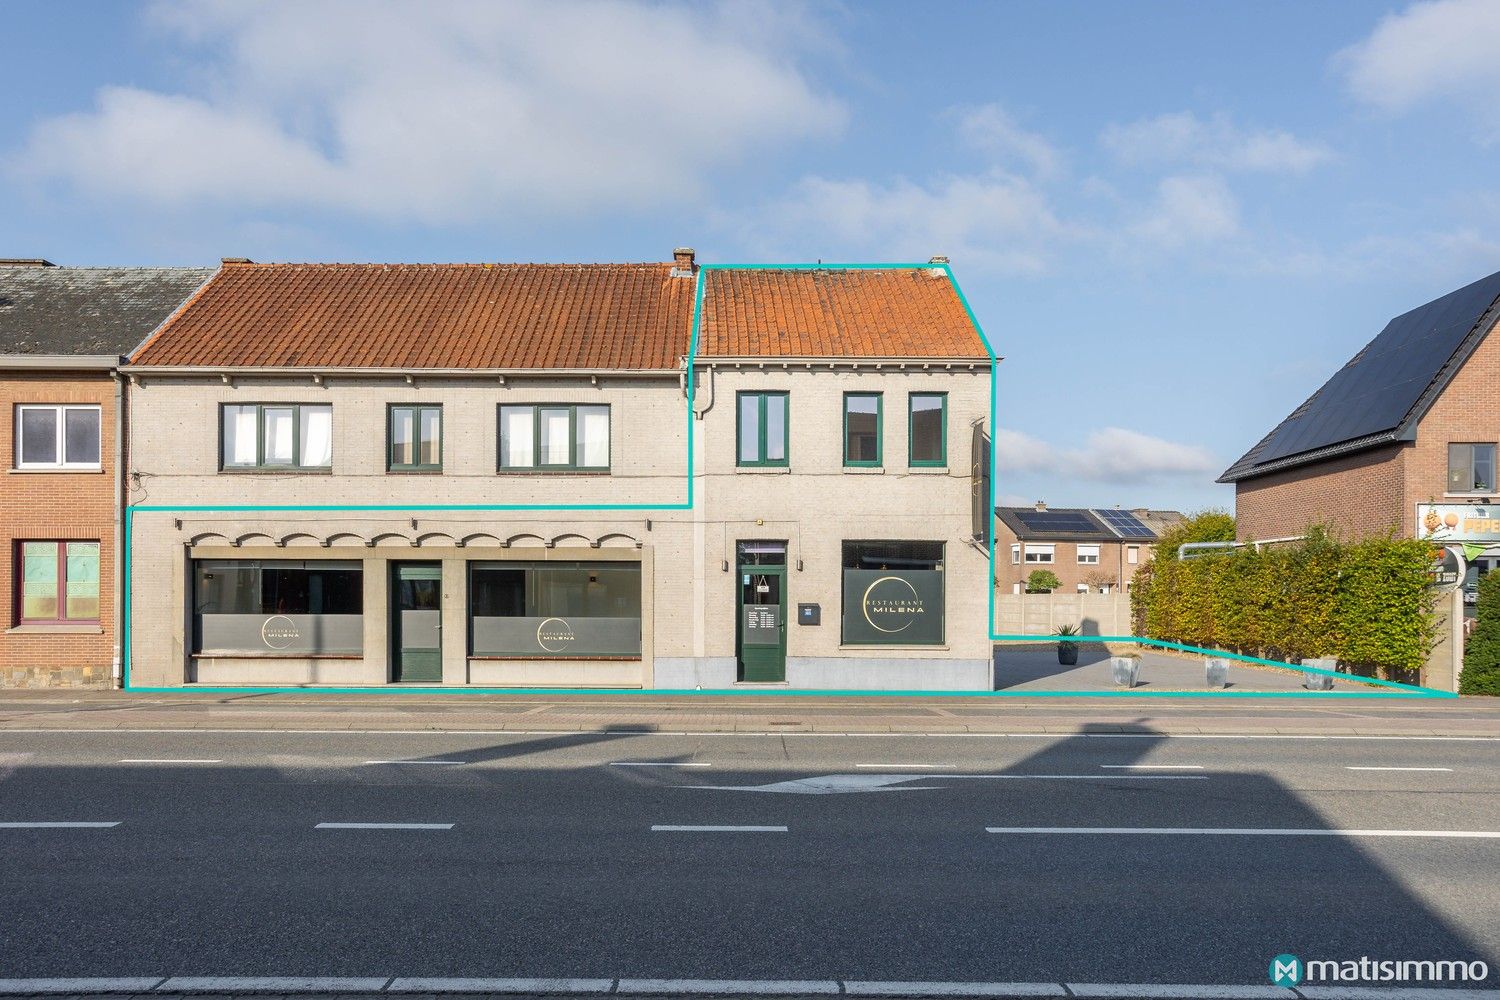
416,438
277,436
927,428
1471,468
1088,555
762,431
1132,554
57,437
58,582
1039,552
862,428
554,438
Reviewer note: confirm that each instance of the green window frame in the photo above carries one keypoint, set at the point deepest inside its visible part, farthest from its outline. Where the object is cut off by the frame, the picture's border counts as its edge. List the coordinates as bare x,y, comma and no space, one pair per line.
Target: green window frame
911,438
415,412
510,445
879,398
759,401
237,454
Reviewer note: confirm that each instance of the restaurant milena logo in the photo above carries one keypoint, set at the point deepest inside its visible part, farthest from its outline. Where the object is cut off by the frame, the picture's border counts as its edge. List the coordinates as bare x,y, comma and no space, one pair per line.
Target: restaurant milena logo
896,604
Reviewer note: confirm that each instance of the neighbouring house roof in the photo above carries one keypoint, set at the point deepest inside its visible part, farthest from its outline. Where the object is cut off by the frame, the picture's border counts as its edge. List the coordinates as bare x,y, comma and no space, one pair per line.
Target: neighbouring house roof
71,311
1381,394
1079,524
835,313
442,316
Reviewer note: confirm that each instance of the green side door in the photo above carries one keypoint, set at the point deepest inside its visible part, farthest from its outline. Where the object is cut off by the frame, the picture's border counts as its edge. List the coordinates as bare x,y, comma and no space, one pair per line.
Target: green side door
761,616
417,621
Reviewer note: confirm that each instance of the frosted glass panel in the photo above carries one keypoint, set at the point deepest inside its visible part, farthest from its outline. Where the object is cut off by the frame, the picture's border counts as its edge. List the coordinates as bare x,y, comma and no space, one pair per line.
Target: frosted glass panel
593,436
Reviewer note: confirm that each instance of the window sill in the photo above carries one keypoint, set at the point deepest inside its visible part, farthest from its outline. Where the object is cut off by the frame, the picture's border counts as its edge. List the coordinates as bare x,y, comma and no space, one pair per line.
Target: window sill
278,470
762,470
278,656
1471,496
936,647
82,628
544,473
865,470
85,470
414,472
928,470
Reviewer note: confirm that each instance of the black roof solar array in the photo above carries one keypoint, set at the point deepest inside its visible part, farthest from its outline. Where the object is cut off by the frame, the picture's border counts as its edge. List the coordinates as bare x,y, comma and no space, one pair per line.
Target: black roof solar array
1124,523
1378,392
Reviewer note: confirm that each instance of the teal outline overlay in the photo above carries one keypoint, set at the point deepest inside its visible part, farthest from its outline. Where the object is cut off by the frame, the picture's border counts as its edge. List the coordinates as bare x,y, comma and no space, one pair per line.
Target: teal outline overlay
1401,690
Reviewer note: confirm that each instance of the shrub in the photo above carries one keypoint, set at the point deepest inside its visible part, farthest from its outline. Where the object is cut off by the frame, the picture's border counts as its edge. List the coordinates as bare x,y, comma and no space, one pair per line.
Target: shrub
1365,603
1482,655
1042,580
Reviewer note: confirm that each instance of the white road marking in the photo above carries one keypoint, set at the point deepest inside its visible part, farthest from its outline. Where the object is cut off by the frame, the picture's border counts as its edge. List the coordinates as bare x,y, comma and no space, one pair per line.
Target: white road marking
1354,768
1246,832
20,986
656,763
500,986
1087,777
1054,737
168,760
772,986
847,784
911,766
384,826
665,828
1153,767
57,826
416,762
855,989
277,984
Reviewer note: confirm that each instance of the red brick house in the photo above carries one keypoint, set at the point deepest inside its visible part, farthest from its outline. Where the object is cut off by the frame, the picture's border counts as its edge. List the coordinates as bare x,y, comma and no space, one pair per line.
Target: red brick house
1090,551
1410,420
63,331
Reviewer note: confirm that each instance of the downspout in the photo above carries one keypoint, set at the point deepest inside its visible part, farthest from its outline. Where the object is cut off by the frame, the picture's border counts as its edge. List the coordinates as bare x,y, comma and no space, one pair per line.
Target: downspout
116,671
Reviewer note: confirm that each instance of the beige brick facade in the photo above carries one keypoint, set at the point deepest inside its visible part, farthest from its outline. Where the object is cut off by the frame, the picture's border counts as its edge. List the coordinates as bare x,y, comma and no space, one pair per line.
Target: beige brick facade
61,506
688,604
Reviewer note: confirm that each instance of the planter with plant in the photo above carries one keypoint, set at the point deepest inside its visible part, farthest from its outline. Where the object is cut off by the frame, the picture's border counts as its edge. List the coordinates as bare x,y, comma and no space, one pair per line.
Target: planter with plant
1067,644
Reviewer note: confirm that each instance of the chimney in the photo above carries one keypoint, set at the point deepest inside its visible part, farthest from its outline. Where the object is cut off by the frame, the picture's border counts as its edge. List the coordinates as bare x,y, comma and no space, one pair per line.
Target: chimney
939,264
683,262
235,260
1040,505
938,259
25,262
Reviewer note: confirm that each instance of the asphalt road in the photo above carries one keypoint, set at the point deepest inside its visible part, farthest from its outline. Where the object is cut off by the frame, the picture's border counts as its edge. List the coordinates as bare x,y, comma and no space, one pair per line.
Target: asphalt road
554,866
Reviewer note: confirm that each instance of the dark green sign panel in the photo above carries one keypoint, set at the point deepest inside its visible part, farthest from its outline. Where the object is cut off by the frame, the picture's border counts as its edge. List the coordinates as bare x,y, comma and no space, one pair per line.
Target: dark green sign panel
893,607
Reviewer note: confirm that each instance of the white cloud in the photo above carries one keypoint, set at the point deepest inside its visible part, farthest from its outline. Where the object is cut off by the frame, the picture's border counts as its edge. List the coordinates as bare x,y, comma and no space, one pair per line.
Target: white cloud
1429,52
991,128
1183,137
445,112
1195,209
1118,455
996,221
1109,455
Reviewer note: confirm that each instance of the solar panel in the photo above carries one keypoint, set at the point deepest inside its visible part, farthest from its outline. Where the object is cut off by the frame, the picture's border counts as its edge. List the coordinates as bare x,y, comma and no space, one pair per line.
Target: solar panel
1126,524
1378,387
1064,521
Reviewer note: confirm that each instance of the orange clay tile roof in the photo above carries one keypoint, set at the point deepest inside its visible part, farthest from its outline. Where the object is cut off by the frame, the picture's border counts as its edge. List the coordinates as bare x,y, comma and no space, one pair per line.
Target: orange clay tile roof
896,312
508,316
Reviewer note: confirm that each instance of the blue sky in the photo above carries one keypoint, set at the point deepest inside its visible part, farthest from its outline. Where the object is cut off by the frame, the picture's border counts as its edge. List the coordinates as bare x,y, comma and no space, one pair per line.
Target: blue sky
1175,220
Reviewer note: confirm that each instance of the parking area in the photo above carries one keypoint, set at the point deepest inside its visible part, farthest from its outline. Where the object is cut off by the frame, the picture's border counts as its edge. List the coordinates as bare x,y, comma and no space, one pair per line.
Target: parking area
1034,667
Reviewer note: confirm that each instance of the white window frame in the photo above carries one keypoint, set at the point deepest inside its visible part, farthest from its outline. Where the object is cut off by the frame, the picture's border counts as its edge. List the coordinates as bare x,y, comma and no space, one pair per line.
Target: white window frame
1084,558
1040,550
62,410
1133,554
1015,554
1083,588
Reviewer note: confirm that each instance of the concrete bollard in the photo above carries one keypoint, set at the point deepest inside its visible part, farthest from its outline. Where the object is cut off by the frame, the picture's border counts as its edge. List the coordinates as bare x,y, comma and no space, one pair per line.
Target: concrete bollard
1126,670
1319,682
1216,672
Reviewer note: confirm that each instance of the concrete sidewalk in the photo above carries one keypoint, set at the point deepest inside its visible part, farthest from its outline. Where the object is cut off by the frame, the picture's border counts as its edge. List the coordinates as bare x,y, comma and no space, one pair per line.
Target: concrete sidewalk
1316,715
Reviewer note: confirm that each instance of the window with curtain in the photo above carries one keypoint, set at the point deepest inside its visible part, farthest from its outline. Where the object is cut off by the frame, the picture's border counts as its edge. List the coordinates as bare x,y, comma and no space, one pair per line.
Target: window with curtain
277,436
554,438
416,443
58,582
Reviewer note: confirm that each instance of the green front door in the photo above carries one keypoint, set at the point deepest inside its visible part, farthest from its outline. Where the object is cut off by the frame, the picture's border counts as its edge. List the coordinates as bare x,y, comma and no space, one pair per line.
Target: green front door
761,611
417,621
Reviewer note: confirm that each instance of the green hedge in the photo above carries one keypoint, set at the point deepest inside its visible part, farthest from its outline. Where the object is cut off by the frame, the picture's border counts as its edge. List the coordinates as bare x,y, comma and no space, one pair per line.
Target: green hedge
1482,655
1366,603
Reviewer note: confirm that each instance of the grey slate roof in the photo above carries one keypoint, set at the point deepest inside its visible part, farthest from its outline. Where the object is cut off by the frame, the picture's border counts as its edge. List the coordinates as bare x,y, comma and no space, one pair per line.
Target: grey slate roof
1381,394
88,310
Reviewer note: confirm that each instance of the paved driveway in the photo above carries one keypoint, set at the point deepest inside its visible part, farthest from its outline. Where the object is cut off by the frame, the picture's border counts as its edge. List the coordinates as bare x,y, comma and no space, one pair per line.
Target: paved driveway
1028,667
